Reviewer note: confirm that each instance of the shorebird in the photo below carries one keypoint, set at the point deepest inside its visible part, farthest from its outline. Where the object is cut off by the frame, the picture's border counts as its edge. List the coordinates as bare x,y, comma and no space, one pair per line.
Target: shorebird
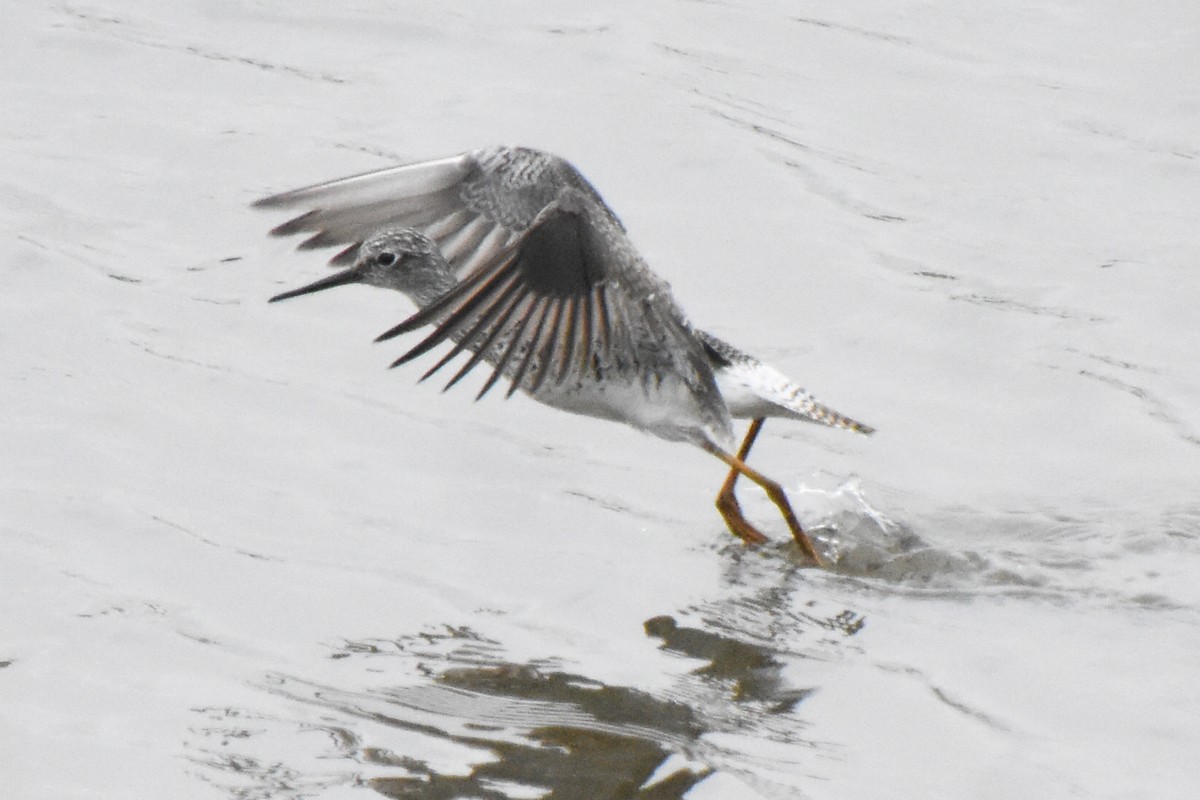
511,255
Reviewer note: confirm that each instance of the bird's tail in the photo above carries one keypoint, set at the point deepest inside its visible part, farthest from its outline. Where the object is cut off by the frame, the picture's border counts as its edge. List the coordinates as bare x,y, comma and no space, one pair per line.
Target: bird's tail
806,405
745,375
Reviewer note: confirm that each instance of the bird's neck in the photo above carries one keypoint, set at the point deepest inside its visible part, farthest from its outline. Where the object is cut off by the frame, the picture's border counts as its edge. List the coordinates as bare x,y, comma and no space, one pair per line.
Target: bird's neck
429,282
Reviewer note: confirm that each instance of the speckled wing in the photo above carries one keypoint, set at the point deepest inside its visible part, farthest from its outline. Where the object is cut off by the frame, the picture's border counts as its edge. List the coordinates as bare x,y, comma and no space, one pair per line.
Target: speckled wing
474,205
570,303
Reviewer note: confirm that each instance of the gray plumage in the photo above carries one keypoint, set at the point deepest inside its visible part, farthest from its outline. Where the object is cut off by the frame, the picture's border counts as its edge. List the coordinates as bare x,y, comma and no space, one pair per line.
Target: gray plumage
544,284
512,256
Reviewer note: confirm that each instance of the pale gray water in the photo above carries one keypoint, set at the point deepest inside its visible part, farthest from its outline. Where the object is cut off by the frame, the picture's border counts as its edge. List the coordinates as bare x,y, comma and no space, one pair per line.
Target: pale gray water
242,559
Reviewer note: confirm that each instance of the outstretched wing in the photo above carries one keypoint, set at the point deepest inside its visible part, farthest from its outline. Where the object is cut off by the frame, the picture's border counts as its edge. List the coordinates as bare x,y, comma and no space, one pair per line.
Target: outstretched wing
566,303
550,292
474,205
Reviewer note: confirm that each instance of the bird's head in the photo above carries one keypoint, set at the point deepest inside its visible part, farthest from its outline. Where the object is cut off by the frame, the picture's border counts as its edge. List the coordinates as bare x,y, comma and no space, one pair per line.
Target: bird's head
396,258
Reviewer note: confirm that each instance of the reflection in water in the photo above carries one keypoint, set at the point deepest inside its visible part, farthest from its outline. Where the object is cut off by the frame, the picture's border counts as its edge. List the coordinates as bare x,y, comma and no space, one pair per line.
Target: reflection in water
458,718
517,730
752,670
582,739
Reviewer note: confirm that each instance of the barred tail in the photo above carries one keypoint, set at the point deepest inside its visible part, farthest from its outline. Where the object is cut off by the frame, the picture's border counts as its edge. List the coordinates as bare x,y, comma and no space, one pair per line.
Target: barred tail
751,388
827,416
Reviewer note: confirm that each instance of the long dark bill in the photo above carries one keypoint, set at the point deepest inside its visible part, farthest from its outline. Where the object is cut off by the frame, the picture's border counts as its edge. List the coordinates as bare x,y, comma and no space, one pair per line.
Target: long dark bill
338,279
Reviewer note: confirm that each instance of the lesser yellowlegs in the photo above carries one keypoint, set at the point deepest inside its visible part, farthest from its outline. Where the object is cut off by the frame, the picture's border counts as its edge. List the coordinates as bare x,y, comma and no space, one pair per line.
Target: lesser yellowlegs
514,257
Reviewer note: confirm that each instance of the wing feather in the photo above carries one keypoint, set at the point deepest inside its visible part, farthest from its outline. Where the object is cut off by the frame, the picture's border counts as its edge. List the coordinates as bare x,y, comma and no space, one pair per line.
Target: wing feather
550,309
509,296
542,350
549,288
506,309
370,188
470,204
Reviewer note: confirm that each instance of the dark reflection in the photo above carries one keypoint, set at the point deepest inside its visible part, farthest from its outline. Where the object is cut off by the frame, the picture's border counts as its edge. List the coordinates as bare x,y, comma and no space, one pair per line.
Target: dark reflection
605,704
611,751
594,768
560,734
528,730
752,669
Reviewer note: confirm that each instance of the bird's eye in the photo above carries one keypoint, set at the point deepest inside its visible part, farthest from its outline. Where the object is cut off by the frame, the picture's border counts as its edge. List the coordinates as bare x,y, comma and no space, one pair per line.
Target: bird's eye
385,259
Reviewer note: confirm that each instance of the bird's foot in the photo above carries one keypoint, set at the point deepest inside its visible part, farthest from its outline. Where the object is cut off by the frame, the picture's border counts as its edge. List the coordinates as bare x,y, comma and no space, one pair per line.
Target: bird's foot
731,510
806,545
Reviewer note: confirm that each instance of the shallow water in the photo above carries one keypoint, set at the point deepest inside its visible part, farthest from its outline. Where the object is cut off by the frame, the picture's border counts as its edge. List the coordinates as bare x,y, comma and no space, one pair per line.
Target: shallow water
243,559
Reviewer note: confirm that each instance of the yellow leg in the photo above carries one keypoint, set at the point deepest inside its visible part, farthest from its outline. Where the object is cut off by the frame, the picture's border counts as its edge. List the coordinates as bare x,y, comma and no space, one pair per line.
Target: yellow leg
727,503
773,490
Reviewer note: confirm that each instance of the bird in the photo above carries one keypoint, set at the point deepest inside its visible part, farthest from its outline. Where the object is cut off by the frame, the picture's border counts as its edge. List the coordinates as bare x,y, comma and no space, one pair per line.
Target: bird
511,255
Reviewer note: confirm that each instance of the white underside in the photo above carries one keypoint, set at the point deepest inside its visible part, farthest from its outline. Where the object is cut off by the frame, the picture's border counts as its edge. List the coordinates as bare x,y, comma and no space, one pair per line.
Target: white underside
668,410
